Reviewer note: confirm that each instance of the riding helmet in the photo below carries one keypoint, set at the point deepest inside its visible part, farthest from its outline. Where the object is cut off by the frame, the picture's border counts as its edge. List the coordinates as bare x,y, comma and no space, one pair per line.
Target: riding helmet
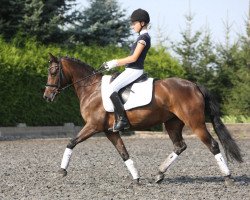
140,15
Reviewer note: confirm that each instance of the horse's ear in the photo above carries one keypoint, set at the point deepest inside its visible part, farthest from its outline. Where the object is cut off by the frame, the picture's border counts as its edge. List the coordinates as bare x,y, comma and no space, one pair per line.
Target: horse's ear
52,58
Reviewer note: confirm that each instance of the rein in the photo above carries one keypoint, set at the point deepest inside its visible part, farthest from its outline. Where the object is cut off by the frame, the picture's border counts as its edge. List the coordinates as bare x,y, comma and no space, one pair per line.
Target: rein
61,76
84,78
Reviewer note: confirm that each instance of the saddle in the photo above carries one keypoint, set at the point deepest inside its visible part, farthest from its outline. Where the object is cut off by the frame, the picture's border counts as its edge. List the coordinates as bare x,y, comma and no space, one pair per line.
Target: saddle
136,94
125,91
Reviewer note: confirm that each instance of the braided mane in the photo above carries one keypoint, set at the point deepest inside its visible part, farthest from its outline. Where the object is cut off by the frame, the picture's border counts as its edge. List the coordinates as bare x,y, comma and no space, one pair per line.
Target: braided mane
71,59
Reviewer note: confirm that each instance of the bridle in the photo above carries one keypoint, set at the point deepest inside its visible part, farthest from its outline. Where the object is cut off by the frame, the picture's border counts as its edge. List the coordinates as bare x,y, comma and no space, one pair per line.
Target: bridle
61,77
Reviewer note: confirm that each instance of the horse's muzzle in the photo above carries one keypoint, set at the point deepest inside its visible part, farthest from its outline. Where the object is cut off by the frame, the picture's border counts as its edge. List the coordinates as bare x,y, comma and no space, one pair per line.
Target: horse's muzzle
49,98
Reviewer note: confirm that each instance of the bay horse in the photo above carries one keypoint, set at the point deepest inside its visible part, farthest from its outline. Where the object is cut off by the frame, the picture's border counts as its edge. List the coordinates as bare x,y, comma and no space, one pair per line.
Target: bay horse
175,102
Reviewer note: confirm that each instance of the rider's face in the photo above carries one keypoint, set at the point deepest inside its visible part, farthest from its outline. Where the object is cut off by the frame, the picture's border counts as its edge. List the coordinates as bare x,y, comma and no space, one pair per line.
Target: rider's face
137,26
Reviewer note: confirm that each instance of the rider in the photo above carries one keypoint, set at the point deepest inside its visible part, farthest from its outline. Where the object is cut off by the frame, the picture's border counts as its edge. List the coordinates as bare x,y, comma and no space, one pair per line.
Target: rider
134,65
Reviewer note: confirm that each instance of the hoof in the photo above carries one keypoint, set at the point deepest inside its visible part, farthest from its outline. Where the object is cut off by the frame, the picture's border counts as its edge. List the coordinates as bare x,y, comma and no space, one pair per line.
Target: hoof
136,181
159,177
229,181
62,172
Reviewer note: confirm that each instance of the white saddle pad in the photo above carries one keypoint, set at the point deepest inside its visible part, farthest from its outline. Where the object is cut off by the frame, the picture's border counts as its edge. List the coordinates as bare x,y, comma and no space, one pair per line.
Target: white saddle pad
141,95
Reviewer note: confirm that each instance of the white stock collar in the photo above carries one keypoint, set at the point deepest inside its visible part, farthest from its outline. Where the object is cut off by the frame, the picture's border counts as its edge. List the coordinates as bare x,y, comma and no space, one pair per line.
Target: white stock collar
143,31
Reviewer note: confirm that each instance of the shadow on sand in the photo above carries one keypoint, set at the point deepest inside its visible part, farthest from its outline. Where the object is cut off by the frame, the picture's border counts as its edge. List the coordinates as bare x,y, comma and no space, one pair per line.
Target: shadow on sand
242,180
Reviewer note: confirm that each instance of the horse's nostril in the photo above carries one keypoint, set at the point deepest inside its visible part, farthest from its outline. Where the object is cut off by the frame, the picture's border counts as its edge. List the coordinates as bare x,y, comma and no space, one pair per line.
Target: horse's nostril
45,98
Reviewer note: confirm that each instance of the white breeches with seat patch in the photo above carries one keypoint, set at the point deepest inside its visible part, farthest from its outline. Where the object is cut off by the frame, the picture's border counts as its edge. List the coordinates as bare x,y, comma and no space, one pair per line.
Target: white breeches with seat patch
125,78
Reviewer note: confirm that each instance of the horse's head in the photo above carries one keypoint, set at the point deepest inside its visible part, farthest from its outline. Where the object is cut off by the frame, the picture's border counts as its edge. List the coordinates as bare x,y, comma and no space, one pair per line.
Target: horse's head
62,72
54,82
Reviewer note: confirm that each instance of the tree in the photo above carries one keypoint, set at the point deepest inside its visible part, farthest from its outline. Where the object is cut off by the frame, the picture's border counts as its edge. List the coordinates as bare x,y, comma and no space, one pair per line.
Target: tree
103,23
160,64
11,16
227,65
46,19
161,36
206,61
238,99
187,49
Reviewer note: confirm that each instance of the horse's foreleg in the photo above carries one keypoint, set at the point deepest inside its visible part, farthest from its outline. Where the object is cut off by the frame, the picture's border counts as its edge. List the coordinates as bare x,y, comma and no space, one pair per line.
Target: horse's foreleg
84,134
174,128
117,141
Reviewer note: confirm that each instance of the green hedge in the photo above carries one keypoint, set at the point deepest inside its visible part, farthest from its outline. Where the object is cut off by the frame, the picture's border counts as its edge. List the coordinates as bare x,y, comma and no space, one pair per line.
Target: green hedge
23,74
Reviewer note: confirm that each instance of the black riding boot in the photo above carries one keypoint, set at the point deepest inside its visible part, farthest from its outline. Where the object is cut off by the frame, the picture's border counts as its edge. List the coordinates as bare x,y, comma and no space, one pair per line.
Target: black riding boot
121,118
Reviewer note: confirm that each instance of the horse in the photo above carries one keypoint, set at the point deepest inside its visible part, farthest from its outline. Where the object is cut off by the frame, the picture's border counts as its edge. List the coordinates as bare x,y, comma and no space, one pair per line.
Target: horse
175,102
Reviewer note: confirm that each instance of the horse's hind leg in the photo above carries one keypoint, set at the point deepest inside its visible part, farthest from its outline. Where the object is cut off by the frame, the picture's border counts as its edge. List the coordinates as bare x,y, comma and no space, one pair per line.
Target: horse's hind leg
174,128
117,141
202,132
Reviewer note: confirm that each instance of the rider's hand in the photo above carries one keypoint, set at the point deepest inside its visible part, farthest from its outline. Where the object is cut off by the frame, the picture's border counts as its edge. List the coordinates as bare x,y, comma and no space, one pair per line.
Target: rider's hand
110,64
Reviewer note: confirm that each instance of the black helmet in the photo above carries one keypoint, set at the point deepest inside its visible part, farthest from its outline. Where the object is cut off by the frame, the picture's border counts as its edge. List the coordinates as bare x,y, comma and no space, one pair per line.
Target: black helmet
140,15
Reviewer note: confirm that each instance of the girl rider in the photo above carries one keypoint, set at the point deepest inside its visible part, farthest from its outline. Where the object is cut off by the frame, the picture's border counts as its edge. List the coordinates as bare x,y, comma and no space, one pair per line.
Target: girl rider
134,65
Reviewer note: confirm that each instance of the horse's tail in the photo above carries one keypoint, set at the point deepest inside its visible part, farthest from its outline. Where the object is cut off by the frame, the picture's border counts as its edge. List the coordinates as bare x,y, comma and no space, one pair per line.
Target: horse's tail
230,147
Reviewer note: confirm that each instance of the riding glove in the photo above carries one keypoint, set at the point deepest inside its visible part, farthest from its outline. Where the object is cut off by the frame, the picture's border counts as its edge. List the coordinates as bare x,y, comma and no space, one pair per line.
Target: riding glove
111,64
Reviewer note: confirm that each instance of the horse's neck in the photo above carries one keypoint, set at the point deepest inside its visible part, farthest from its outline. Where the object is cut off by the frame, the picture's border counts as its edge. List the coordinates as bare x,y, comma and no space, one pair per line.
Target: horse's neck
89,89
81,74
86,82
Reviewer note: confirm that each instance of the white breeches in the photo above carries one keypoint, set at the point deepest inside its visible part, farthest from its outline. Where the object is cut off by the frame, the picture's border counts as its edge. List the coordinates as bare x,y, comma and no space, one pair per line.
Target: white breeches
125,78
